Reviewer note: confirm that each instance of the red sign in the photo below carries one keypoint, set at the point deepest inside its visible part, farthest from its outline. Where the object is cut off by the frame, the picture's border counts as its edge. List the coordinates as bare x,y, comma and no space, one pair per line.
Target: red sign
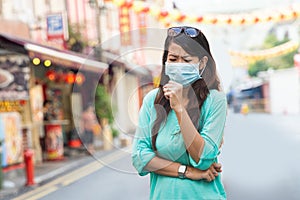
54,142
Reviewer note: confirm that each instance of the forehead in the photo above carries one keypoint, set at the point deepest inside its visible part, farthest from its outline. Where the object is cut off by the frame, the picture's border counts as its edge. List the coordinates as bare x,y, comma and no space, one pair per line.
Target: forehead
175,49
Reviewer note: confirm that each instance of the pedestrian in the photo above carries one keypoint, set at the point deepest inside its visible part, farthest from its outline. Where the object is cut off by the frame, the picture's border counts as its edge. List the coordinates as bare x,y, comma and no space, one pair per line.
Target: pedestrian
181,122
88,122
48,110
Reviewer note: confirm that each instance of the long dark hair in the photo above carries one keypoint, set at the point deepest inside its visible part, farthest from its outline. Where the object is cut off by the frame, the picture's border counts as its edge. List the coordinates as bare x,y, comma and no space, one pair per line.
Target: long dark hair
197,46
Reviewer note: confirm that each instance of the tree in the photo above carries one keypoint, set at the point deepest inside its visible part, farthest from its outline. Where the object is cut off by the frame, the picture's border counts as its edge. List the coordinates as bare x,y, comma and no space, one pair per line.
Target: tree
258,66
103,104
280,62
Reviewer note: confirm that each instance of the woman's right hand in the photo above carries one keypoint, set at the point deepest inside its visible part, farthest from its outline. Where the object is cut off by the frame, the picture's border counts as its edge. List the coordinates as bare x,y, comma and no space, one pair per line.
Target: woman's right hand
209,175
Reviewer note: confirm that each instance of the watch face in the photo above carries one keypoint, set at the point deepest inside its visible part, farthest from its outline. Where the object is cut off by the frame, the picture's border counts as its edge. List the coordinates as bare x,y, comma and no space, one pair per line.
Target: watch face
181,171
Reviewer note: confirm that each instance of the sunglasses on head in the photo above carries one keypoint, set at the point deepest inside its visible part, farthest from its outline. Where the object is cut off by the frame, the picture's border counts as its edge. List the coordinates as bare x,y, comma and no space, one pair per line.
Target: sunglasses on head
189,31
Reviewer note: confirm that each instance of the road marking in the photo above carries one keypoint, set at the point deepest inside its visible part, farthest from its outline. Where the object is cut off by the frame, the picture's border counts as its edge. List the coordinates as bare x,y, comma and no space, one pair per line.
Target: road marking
72,176
43,193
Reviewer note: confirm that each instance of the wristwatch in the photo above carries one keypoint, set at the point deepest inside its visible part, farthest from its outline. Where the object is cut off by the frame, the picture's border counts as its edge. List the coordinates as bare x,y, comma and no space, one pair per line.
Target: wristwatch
181,171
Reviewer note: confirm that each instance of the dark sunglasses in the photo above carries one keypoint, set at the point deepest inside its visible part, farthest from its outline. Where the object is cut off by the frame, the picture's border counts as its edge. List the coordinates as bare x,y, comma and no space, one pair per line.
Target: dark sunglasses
189,31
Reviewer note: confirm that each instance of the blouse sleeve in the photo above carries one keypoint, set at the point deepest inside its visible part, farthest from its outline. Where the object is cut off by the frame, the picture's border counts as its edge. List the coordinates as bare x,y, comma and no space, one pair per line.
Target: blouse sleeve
212,131
142,151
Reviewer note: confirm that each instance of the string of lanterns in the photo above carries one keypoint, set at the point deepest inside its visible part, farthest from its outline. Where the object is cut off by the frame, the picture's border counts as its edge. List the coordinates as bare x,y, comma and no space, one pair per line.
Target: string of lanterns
167,17
242,58
68,77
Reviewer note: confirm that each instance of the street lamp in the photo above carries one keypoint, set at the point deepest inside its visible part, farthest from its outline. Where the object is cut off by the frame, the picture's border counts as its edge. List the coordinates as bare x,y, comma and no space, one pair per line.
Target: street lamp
98,6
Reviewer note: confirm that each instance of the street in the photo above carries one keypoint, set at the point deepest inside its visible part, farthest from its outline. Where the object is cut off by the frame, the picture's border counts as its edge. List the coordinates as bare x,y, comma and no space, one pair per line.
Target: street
260,159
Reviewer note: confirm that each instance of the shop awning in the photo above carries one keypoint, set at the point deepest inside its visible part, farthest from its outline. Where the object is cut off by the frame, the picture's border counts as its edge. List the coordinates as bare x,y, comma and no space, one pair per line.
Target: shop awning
59,57
65,58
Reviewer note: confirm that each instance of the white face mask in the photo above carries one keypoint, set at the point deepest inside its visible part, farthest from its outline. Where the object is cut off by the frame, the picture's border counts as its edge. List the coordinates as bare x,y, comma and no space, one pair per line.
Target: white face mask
183,73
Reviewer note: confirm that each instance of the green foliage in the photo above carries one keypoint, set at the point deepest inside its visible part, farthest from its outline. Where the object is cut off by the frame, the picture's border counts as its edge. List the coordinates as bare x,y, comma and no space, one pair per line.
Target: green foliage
76,42
258,66
280,62
103,104
115,132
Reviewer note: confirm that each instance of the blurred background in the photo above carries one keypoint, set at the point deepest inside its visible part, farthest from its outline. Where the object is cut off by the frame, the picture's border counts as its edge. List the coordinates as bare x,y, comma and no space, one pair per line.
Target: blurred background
58,57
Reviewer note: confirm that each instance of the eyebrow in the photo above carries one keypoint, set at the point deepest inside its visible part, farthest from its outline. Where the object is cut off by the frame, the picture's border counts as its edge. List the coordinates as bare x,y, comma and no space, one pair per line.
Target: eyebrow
174,55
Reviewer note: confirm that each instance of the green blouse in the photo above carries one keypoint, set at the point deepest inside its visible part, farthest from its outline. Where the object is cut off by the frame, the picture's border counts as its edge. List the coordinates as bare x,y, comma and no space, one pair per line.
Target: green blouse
170,146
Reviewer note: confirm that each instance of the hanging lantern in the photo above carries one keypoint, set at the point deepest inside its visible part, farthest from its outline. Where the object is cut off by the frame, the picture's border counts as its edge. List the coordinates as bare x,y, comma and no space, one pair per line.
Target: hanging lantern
70,78
214,20
243,20
199,19
79,79
51,75
181,18
22,102
128,4
163,14
229,20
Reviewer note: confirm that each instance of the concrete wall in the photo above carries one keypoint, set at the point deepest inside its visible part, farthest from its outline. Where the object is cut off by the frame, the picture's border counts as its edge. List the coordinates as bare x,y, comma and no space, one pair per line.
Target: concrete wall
284,91
126,99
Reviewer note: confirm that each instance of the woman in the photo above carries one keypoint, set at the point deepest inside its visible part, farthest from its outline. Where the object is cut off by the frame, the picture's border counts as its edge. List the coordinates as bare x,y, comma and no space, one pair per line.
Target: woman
89,120
181,123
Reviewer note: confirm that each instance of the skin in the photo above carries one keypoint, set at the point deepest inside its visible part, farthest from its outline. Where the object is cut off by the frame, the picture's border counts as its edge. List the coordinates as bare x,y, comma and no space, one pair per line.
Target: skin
192,139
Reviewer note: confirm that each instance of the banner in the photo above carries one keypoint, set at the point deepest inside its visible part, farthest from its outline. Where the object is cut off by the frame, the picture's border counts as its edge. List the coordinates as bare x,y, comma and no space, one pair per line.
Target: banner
11,135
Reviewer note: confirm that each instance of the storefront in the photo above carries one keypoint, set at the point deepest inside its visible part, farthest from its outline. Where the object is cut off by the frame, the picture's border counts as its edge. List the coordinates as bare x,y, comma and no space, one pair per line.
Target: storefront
14,101
43,75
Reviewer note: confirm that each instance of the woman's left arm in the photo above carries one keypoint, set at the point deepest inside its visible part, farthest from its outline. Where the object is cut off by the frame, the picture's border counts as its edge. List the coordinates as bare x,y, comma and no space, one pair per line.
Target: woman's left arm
203,148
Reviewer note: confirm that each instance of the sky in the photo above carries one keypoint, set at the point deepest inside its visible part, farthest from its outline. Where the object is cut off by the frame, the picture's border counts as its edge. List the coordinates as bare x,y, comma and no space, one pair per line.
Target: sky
201,6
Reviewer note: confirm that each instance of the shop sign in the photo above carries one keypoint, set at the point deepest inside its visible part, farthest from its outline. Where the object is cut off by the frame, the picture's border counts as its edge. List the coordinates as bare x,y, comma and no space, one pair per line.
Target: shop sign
57,30
11,106
14,81
56,26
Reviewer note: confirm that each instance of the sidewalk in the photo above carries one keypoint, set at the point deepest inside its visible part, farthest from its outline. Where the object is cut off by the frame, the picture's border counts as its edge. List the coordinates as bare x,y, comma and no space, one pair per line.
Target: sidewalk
14,181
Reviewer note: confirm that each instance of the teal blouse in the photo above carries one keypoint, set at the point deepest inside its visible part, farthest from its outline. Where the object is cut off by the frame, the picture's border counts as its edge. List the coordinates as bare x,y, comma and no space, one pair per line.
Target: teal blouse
170,146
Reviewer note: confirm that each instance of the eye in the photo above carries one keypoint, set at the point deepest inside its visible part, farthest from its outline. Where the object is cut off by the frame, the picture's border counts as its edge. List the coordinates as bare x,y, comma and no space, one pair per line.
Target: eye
187,60
172,59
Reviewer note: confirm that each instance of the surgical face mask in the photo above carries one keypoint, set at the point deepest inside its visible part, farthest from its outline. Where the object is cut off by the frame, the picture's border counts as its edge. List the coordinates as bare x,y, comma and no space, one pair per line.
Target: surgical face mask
183,73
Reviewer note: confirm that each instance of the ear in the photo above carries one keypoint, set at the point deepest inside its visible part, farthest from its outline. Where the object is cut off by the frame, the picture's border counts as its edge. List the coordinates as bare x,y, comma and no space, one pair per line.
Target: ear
203,62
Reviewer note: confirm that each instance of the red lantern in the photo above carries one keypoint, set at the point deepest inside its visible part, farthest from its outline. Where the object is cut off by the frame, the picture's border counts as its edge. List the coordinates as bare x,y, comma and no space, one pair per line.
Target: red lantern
243,20
146,9
256,19
163,14
295,14
282,16
70,78
200,19
269,18
229,20
128,4
22,102
51,75
214,21
181,18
